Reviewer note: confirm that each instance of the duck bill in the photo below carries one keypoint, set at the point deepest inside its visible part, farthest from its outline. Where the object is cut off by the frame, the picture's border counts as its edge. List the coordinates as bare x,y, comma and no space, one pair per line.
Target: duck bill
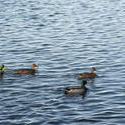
5,67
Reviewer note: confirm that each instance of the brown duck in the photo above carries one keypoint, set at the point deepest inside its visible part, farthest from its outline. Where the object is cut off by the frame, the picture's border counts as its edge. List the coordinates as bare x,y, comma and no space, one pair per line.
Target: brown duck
26,71
1,69
90,74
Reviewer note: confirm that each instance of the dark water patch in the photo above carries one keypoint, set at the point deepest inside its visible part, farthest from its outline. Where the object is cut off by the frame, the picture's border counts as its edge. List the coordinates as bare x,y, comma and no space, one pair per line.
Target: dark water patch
12,117
82,120
33,87
110,117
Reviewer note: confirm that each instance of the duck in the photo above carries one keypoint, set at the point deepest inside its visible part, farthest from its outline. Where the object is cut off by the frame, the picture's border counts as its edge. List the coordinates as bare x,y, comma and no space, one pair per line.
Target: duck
90,75
26,71
1,69
76,89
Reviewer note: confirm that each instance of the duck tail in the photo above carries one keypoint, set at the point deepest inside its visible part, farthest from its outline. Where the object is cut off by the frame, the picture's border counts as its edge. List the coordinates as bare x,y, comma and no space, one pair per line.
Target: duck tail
66,91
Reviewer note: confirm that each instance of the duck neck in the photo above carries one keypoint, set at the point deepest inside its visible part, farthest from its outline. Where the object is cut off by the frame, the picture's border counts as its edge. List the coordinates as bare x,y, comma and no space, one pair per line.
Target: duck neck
32,67
91,71
83,85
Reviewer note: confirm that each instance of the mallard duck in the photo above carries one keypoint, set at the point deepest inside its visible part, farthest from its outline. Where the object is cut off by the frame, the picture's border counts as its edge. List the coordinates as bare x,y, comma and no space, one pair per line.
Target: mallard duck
90,74
1,69
76,89
26,71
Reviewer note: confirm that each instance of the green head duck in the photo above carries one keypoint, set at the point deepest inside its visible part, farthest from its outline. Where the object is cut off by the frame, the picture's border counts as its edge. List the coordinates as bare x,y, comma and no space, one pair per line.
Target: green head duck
2,67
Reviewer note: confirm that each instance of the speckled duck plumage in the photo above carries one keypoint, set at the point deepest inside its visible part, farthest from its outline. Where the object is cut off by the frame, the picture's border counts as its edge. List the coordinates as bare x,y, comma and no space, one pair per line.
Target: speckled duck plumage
76,89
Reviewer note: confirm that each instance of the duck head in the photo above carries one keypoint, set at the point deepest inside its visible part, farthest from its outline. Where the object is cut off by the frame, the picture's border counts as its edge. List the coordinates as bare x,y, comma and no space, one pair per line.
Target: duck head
34,66
83,83
2,67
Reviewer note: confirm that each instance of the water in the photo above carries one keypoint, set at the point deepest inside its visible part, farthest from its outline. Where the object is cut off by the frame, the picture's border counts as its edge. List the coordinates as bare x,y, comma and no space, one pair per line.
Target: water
64,38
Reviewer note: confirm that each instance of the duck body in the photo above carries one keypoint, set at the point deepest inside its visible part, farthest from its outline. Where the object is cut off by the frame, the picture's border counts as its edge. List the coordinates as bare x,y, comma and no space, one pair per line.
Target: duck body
76,89
86,75
26,71
1,72
90,74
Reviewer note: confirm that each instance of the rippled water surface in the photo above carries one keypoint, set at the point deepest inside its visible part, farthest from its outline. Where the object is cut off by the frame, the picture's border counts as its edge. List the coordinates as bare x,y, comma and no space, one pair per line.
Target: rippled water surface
64,37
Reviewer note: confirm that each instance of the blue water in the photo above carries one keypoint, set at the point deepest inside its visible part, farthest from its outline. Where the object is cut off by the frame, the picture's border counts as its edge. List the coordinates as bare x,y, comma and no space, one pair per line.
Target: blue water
63,37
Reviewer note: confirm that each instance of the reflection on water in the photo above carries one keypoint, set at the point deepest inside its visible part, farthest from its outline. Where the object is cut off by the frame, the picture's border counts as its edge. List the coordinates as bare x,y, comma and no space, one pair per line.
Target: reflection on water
64,38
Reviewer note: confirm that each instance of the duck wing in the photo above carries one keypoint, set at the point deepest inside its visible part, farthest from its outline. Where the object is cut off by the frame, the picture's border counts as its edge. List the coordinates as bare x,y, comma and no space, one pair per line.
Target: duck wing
86,75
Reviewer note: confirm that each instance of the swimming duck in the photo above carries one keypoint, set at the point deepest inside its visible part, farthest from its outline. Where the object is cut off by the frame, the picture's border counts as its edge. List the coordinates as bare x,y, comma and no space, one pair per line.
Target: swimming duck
26,71
1,69
76,89
90,74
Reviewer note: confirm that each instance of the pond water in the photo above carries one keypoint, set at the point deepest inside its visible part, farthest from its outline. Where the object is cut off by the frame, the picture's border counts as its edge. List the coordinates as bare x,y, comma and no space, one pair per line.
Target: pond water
64,38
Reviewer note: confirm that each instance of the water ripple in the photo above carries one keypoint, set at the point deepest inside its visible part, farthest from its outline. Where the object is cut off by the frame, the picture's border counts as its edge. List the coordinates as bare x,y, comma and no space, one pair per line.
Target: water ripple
64,38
